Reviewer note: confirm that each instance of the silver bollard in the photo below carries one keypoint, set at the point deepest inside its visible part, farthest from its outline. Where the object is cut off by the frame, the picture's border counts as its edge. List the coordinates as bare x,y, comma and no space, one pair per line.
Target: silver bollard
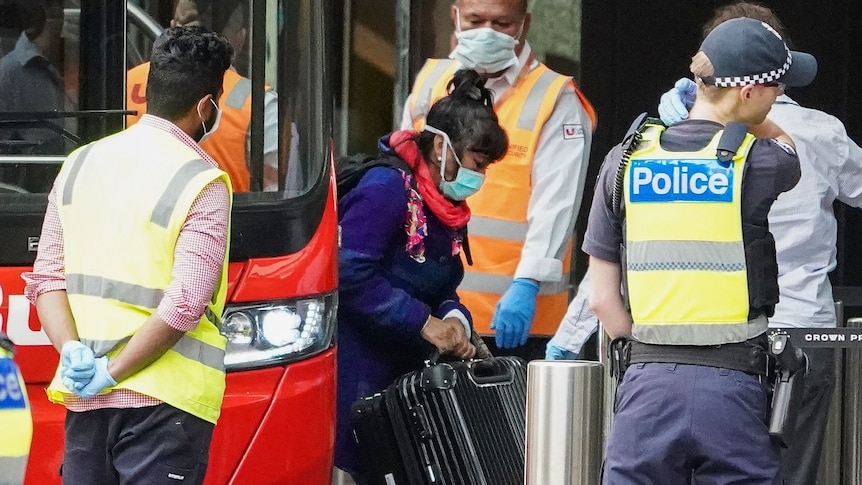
852,457
830,457
564,422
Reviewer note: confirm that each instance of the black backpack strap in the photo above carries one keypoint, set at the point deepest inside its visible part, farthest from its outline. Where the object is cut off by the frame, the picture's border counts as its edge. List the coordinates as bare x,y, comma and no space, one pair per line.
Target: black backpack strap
730,141
349,170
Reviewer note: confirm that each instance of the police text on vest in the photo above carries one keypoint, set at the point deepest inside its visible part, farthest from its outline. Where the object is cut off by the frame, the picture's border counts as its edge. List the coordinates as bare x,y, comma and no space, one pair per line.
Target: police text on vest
680,181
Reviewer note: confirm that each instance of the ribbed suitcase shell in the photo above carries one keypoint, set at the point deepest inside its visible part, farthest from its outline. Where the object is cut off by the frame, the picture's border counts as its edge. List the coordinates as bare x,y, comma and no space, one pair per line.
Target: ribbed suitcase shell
376,443
462,423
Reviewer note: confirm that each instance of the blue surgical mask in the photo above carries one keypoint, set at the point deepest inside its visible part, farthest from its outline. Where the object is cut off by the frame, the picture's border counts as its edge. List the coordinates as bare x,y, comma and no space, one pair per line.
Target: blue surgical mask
484,49
467,182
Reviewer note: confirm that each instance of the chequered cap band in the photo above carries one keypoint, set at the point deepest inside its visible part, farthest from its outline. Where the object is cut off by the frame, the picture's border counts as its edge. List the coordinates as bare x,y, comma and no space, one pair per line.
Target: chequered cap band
766,77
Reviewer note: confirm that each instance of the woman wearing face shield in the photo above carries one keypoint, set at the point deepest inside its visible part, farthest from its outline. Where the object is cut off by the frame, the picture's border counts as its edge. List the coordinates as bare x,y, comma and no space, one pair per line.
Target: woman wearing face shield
402,234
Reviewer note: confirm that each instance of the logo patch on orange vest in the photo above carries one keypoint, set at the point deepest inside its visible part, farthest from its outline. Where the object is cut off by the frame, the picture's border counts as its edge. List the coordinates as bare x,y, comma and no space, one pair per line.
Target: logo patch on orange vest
571,132
519,151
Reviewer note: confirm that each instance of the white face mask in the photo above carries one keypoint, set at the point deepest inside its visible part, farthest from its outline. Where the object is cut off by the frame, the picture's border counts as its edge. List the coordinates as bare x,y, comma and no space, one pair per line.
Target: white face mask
214,127
484,49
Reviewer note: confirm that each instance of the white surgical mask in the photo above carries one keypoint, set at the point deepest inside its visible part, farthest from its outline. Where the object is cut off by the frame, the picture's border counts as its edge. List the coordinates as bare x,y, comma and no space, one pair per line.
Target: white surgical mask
484,49
214,127
467,182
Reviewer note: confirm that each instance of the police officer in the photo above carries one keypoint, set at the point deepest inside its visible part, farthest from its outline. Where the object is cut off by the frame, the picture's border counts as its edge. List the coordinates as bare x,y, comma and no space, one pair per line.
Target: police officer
518,283
699,268
15,419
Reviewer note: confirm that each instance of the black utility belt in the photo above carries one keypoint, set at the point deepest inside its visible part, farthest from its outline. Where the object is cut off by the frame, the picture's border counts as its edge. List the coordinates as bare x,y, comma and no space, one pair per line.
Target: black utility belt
743,357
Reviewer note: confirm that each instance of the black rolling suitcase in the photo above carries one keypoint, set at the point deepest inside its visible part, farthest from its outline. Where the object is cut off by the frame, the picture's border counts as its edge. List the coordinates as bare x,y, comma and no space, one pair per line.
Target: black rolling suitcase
461,423
375,440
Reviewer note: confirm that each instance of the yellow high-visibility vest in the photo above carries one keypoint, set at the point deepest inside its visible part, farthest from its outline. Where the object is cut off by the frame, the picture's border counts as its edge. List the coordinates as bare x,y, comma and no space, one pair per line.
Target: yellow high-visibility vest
685,263
15,421
498,230
122,202
227,145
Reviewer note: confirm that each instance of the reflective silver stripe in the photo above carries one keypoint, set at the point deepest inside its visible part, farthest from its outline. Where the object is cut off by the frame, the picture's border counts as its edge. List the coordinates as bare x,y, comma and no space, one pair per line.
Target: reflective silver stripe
530,110
194,349
236,97
489,283
423,99
12,468
102,347
685,256
168,201
73,175
497,228
89,285
189,347
699,334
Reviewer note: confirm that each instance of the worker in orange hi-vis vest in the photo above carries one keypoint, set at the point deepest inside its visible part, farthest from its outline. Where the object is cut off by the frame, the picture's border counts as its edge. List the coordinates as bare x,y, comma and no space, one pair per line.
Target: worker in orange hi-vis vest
229,145
523,218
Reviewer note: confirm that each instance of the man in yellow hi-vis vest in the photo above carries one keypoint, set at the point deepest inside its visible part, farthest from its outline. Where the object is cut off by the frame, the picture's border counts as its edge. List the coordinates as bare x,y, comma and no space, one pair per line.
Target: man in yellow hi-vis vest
15,419
130,280
679,217
521,227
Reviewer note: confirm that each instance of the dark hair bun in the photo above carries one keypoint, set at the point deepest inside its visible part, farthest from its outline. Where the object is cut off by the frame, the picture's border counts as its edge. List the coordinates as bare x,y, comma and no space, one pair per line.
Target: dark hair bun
468,84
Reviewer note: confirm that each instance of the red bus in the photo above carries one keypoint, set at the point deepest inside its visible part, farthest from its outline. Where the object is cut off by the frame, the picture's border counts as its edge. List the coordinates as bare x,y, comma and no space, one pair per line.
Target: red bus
278,421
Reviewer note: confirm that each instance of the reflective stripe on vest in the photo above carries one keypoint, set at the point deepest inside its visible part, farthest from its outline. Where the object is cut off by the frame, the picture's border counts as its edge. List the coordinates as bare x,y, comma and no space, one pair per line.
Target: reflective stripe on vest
497,231
427,88
685,260
12,469
227,145
116,273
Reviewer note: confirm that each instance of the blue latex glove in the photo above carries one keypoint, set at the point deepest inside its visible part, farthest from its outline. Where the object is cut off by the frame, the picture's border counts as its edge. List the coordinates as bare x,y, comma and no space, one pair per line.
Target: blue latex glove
674,104
77,365
514,313
101,380
555,352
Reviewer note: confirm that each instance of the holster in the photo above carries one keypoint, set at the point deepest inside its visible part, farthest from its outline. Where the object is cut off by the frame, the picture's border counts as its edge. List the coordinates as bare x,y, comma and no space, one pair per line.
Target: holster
619,356
791,365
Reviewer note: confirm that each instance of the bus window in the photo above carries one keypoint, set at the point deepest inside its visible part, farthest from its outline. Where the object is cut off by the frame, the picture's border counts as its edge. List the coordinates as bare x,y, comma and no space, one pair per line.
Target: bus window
33,79
305,100
45,111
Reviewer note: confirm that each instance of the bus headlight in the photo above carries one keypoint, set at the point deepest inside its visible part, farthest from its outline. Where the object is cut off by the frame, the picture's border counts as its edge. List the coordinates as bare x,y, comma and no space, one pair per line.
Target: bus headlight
274,333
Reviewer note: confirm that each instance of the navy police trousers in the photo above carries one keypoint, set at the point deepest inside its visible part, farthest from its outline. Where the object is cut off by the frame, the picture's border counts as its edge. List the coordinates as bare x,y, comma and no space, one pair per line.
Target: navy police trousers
681,424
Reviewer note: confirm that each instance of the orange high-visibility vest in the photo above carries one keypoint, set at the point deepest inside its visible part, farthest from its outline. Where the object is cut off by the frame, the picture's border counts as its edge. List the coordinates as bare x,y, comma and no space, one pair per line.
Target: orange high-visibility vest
498,226
227,145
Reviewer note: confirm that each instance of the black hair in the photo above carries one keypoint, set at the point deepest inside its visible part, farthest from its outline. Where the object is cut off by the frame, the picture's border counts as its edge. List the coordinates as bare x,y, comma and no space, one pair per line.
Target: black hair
467,116
31,15
187,63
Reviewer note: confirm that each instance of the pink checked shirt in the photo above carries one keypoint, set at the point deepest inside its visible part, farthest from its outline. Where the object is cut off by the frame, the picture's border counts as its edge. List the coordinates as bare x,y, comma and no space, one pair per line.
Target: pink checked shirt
198,259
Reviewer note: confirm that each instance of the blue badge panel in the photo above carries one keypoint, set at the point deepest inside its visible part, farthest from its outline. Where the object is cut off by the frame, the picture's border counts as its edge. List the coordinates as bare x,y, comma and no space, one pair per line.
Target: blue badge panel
680,181
11,393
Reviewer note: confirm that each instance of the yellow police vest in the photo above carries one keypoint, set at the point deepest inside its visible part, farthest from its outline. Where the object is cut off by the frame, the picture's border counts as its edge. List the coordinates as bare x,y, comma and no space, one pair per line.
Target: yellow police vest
227,145
15,421
685,260
122,202
498,230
